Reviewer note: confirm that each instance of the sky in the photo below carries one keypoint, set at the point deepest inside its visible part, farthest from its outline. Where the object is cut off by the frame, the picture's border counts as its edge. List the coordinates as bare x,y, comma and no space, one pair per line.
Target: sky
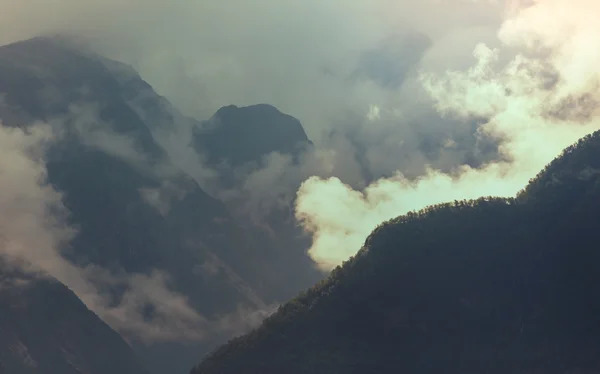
203,55
409,103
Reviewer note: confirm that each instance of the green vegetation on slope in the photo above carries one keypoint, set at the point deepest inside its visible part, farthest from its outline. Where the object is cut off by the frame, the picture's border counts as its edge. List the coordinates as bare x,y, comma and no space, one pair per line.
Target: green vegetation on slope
486,286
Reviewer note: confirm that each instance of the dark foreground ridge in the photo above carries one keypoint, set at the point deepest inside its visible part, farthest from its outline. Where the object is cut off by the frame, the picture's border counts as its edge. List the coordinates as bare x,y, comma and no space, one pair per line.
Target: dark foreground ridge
486,286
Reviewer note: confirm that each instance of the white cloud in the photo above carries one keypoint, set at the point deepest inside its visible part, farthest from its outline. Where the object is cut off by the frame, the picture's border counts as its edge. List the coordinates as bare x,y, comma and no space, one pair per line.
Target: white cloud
34,231
299,57
517,102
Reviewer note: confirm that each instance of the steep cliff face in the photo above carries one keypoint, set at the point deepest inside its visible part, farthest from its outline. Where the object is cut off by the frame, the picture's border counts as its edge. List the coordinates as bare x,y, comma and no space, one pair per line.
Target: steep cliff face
493,285
46,329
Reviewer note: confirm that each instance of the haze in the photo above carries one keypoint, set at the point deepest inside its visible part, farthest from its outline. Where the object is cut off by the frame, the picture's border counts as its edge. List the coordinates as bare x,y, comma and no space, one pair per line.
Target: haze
495,88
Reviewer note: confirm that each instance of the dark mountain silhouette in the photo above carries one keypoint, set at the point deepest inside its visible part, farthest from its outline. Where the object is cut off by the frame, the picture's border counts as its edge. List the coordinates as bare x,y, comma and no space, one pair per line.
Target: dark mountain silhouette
239,135
133,208
45,328
487,286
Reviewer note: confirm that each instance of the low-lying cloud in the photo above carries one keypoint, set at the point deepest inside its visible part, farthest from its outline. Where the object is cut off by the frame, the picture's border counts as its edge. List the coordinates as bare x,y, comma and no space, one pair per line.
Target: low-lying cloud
408,103
34,230
348,71
539,101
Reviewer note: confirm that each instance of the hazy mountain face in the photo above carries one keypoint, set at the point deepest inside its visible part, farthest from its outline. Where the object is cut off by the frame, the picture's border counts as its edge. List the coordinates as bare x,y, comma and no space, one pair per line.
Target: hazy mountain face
148,250
493,285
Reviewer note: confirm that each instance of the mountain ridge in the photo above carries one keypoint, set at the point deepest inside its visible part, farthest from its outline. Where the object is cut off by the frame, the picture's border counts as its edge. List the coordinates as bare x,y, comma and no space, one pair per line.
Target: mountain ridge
492,285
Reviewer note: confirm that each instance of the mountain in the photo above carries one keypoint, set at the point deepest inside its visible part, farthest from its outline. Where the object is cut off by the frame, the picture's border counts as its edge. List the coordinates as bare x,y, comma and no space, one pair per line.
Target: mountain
487,286
108,191
45,328
234,142
135,209
240,135
238,141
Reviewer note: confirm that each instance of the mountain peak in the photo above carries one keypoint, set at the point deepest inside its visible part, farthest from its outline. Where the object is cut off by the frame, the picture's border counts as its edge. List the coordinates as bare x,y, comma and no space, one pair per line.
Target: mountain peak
262,108
242,134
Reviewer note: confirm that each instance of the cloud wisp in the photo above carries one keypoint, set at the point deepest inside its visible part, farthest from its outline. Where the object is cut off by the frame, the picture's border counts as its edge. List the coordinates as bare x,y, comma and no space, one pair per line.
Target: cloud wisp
334,65
34,230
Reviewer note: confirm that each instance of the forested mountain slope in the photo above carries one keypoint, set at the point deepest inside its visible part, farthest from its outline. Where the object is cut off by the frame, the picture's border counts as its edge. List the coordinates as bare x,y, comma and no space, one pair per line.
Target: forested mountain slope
487,286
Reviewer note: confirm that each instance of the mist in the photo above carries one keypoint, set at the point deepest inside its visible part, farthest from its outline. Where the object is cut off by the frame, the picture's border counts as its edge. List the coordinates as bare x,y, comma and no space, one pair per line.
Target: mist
408,103
539,102
315,60
36,236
